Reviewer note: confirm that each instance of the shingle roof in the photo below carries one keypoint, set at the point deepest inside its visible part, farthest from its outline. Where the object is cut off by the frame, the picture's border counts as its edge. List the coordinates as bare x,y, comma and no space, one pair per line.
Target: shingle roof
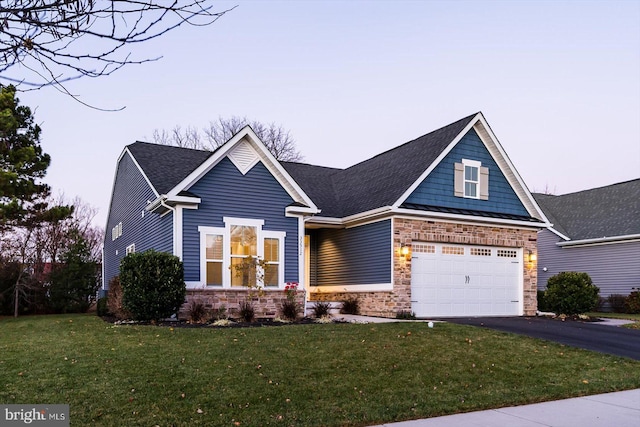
376,182
165,165
608,211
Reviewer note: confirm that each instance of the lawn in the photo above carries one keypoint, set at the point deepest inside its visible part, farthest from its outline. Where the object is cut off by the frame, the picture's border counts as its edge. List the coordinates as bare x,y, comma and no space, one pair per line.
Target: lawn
296,375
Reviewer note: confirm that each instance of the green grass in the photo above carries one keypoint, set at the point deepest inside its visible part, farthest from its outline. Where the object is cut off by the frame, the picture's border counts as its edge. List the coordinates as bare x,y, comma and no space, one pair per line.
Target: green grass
297,375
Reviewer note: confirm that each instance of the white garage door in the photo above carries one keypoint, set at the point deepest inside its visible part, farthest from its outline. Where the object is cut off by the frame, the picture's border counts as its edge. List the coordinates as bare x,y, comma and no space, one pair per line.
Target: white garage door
455,280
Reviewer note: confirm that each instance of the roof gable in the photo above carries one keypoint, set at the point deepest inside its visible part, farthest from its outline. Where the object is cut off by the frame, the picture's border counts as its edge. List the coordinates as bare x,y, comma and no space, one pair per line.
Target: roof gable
609,211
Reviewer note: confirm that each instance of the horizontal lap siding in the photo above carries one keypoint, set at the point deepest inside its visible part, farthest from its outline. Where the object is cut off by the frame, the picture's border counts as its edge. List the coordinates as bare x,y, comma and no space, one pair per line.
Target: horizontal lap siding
353,256
129,200
438,188
224,191
614,268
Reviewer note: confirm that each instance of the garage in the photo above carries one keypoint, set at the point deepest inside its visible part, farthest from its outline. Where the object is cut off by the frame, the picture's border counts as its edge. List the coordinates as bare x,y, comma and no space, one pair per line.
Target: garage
461,280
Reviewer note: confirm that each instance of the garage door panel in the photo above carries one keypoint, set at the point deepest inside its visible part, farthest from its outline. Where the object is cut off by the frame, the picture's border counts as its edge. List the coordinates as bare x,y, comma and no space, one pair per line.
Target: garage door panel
466,280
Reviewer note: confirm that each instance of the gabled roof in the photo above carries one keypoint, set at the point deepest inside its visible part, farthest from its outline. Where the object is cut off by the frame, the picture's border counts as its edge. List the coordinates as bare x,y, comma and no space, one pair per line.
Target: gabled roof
165,166
375,182
597,213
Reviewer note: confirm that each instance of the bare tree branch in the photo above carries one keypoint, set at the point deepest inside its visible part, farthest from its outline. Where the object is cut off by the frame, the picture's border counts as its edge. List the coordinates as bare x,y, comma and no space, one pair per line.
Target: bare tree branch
278,140
60,40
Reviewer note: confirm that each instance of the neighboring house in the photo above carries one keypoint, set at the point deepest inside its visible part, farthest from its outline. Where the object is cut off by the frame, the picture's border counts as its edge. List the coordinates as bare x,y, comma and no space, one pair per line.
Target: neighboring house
442,225
594,231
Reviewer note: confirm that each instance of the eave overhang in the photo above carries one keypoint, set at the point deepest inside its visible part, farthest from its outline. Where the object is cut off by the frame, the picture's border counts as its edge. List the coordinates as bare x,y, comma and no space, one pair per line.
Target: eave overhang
601,241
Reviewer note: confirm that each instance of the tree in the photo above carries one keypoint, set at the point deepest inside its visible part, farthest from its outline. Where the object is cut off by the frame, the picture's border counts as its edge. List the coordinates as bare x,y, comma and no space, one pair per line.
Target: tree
22,161
60,40
278,140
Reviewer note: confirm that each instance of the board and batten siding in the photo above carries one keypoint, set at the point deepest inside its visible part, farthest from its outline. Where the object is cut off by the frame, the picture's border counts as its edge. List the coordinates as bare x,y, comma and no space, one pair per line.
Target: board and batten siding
225,192
144,229
353,256
438,188
614,268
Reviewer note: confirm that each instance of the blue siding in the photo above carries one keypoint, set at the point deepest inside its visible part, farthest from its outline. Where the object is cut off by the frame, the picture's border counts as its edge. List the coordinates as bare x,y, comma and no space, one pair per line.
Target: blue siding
224,191
128,201
614,268
438,188
352,256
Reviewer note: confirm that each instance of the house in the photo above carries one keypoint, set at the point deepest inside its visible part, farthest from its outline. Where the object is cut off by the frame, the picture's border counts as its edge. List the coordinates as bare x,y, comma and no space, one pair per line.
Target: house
442,225
595,231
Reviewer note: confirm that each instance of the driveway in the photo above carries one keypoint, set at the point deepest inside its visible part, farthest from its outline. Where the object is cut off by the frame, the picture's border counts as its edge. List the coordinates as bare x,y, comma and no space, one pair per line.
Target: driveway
594,336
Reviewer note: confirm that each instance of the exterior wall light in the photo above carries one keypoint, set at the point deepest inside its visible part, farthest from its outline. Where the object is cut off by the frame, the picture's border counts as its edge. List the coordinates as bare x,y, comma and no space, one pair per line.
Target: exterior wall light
532,256
404,250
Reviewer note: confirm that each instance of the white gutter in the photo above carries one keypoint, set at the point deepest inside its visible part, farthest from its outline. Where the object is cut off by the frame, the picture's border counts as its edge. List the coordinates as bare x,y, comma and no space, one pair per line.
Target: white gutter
601,240
471,218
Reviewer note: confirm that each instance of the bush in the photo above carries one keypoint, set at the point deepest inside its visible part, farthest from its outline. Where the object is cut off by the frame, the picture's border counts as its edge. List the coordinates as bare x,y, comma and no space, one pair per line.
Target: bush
247,312
321,309
617,303
350,306
101,307
289,307
152,285
542,302
197,311
406,315
632,302
571,293
114,300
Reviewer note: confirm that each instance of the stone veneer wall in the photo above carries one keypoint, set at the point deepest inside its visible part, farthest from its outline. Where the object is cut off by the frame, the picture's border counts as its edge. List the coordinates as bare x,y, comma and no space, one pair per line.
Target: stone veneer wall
405,231
267,303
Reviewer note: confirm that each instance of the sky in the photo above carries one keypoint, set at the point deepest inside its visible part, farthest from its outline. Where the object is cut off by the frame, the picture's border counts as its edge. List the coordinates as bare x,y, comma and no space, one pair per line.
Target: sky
558,82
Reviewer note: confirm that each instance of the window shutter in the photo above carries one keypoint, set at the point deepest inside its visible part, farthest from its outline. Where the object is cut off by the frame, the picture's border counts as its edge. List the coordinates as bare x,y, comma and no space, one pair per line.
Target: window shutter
458,178
484,183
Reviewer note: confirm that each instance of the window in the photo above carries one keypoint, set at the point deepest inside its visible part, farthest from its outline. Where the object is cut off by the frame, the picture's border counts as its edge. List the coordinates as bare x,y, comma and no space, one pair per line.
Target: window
214,259
244,252
452,250
241,254
116,231
471,180
480,252
131,249
507,253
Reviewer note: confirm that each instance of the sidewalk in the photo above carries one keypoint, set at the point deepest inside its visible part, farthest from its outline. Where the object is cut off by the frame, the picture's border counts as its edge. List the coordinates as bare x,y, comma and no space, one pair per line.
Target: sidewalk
619,409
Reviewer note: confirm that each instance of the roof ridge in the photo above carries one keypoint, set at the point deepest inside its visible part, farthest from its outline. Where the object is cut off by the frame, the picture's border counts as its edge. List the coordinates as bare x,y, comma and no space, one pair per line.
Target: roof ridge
597,188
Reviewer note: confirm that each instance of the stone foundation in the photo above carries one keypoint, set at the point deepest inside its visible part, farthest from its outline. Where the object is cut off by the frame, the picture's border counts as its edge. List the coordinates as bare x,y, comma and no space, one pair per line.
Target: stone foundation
266,303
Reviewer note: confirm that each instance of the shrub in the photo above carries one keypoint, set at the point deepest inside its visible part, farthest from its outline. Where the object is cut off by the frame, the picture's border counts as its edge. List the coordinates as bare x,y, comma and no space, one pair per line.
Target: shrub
289,307
197,311
632,302
152,285
101,307
219,313
406,315
617,303
571,293
542,302
350,306
321,309
246,311
114,300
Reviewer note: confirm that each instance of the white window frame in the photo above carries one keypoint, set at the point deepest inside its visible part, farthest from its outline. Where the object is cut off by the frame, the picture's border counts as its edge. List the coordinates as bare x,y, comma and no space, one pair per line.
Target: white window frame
472,164
131,249
226,261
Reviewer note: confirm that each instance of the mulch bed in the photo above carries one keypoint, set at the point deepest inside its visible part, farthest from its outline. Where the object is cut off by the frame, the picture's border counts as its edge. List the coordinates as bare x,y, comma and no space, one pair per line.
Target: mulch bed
233,324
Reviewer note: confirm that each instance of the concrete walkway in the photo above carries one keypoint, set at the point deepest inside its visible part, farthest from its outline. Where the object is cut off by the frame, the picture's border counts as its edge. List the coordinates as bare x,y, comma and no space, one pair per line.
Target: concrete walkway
619,409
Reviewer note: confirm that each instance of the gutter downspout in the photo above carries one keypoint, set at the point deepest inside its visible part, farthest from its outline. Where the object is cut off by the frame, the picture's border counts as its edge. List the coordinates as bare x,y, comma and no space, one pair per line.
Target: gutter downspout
173,211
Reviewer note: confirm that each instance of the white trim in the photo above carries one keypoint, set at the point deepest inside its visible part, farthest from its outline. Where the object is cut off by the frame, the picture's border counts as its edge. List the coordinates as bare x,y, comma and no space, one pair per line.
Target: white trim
376,287
247,135
297,210
435,163
302,257
226,275
479,124
469,219
281,237
557,233
601,241
177,231
473,164
229,220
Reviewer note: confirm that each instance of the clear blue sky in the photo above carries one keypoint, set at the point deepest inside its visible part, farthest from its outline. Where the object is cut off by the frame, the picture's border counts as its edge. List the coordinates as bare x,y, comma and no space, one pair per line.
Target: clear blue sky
558,81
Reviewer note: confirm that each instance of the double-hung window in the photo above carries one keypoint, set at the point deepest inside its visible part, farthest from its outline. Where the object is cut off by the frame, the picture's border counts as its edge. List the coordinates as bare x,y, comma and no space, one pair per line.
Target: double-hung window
471,178
241,254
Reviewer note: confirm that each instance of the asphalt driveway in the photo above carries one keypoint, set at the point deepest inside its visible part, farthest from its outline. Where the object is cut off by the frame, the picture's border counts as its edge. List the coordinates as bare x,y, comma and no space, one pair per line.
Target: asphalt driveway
593,336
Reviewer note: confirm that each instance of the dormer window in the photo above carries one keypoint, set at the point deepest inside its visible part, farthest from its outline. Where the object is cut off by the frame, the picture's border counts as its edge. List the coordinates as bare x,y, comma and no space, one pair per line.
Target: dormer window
471,180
